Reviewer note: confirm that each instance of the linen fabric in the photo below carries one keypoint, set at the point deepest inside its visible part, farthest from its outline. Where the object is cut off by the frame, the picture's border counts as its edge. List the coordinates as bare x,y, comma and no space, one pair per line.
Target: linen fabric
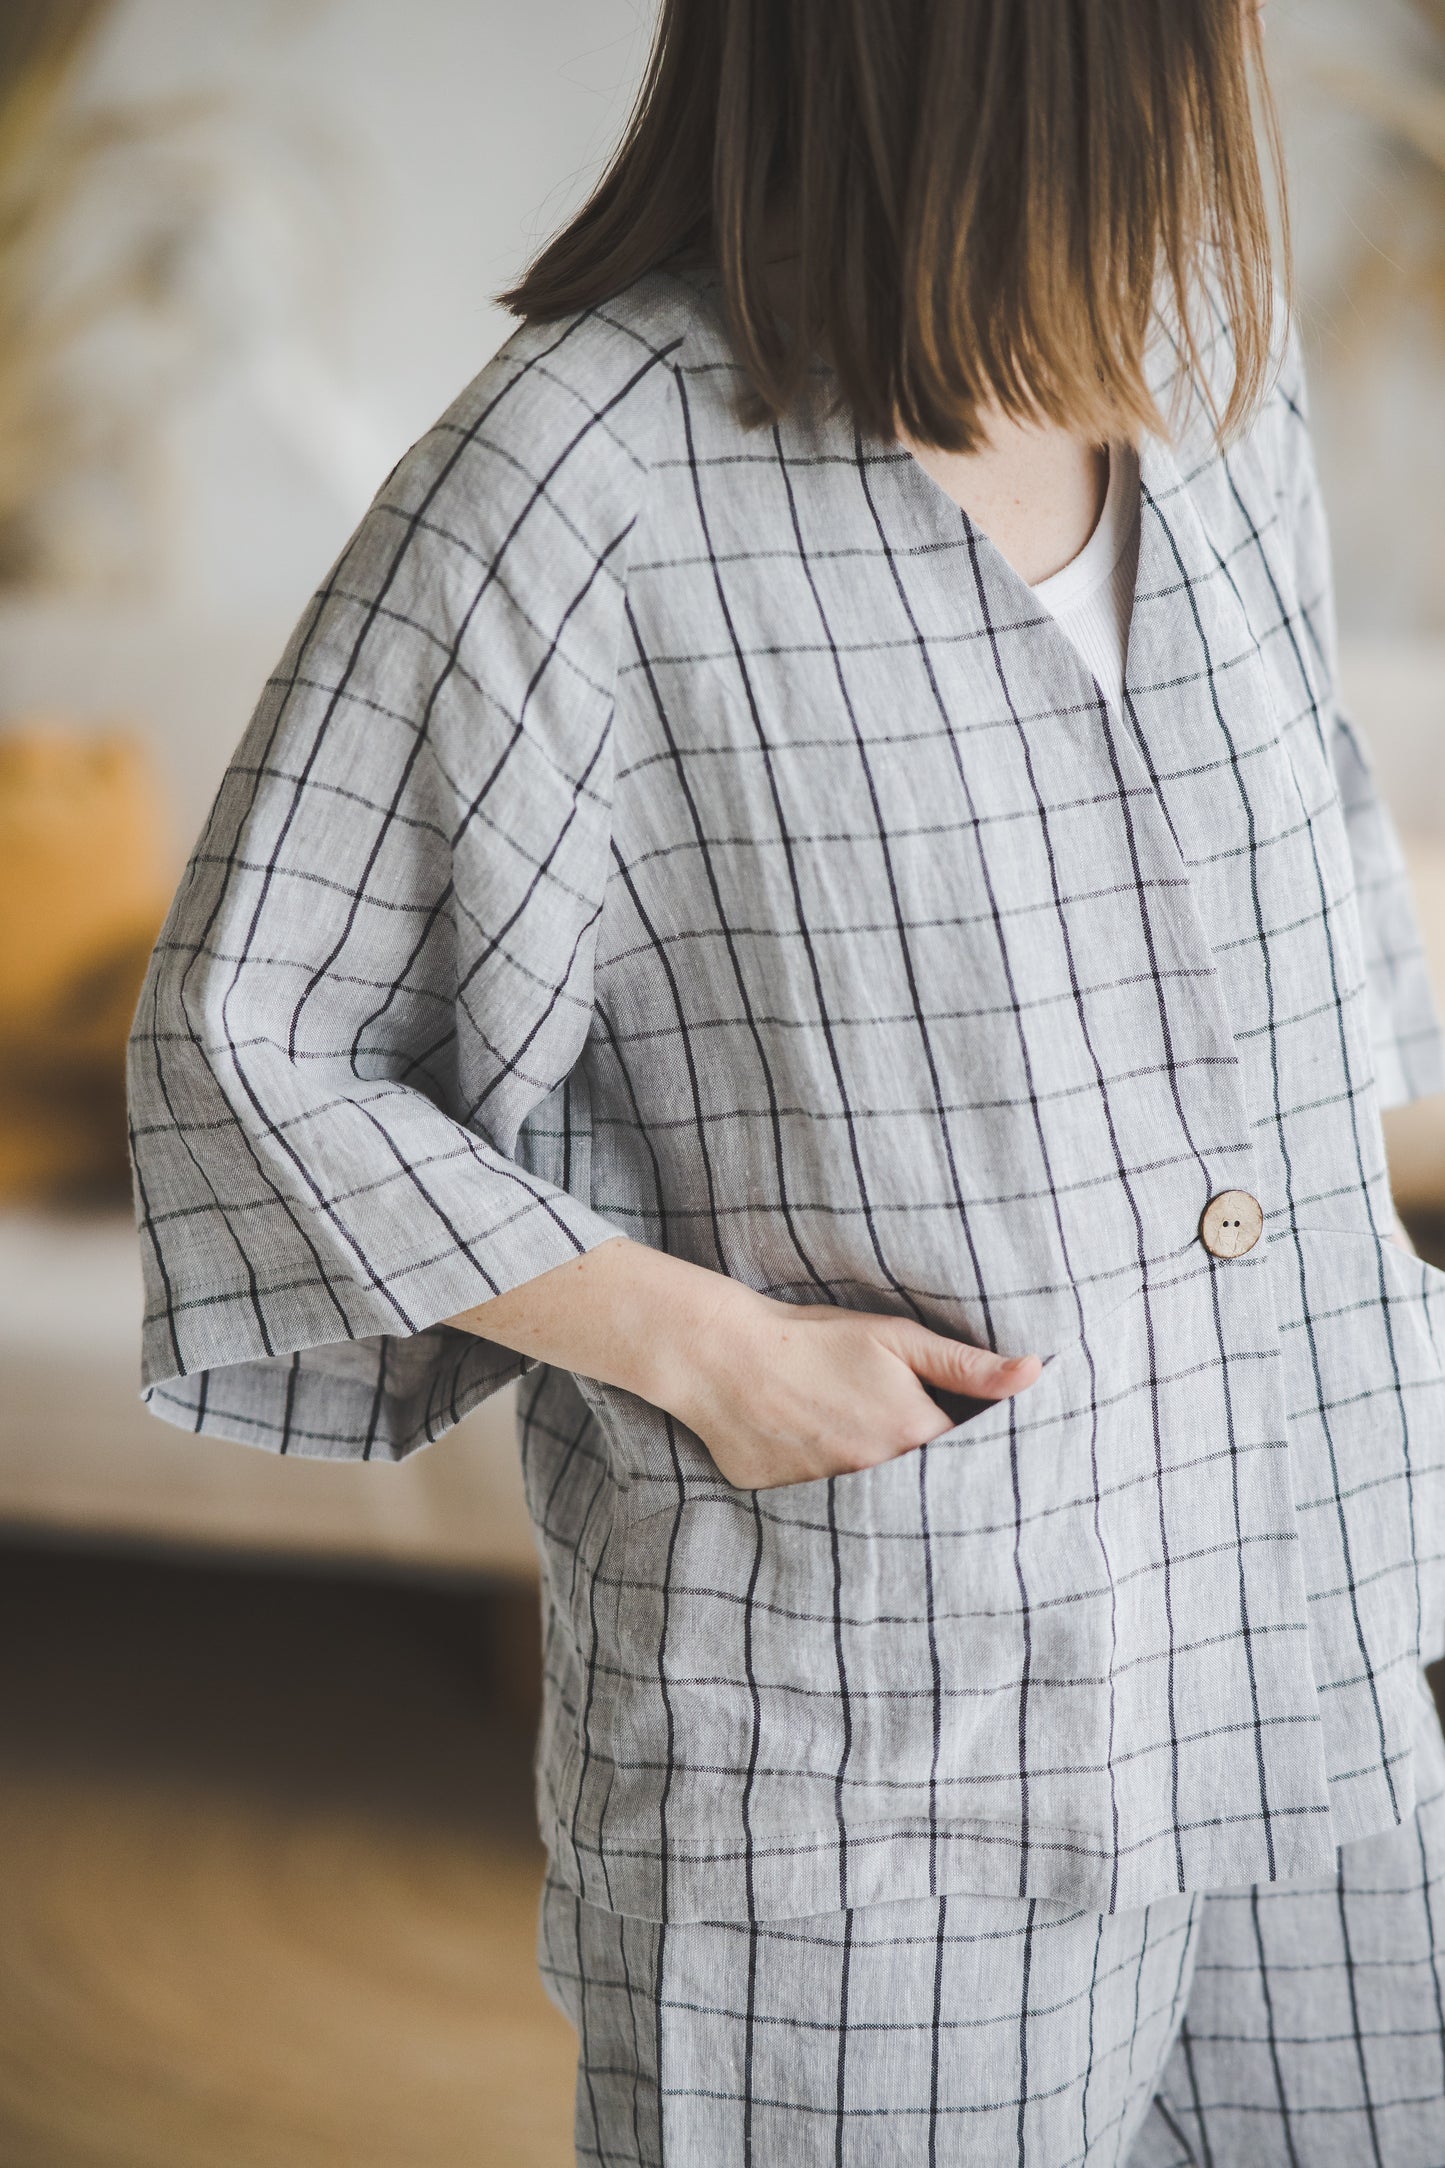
1296,2025
662,828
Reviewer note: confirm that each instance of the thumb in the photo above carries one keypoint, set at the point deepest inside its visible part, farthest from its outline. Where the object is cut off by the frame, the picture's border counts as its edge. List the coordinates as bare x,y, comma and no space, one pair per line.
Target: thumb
975,1371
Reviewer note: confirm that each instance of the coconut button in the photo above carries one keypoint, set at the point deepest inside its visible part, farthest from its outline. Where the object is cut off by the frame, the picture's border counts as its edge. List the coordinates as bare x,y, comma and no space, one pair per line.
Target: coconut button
1231,1223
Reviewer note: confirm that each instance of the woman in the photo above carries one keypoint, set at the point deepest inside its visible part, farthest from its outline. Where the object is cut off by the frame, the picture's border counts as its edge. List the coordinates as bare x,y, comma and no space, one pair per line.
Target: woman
803,888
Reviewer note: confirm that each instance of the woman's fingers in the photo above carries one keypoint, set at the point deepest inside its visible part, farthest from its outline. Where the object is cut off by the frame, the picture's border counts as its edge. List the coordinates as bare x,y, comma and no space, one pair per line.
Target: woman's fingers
823,1393
976,1371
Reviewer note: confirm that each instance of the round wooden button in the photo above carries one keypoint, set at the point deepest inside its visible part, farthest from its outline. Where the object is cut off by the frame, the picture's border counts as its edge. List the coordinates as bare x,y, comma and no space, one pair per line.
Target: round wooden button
1231,1223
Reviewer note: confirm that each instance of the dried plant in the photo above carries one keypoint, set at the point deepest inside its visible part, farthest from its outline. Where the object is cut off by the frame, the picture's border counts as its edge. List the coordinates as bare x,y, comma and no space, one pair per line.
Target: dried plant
103,213
44,154
148,249
56,158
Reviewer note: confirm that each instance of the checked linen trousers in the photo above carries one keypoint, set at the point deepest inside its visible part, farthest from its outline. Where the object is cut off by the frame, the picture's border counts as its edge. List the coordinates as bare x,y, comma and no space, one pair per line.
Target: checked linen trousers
1298,2025
663,828
1292,2025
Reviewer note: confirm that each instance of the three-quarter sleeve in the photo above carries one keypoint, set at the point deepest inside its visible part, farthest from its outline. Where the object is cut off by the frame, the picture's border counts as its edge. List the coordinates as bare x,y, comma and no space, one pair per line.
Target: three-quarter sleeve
1405,1025
379,962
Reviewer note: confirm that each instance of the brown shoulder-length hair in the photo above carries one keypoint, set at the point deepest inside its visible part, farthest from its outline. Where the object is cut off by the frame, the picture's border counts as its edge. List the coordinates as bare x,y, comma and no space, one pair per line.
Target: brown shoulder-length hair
960,204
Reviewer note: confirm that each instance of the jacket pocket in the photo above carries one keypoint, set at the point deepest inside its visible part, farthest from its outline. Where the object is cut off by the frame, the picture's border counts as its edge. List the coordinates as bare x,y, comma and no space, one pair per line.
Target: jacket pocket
902,1637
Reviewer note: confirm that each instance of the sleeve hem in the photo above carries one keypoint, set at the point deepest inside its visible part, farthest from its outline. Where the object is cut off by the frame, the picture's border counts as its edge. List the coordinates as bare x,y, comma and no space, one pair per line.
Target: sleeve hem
1400,1080
279,1369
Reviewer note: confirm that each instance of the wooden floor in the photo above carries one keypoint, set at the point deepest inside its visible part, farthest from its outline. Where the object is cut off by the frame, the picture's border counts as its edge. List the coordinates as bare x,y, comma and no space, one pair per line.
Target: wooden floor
268,1880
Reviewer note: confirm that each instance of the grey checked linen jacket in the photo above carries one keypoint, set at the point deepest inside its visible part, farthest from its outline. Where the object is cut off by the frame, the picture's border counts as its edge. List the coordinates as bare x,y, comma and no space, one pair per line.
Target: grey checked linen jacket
663,828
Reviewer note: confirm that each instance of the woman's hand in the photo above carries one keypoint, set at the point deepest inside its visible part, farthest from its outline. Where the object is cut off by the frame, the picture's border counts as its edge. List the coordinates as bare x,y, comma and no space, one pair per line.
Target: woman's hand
778,1392
788,1393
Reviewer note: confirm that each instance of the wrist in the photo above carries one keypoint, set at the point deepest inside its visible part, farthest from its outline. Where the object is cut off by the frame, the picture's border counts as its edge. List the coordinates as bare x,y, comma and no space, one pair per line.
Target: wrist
707,1324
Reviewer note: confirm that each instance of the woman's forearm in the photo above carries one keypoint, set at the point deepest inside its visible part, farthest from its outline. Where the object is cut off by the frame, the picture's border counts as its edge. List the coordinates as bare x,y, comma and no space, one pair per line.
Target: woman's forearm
622,1313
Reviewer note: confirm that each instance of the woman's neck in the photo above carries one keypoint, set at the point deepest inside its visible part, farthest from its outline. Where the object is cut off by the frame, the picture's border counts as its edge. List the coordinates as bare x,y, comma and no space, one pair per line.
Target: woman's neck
1037,492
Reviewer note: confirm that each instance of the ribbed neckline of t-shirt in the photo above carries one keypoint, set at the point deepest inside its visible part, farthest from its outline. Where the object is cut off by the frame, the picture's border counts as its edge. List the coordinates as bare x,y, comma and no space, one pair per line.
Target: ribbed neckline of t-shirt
1095,564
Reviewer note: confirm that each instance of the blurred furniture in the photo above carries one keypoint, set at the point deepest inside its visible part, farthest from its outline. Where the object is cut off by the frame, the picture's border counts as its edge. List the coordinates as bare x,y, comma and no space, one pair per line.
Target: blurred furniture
80,1457
82,895
1416,1134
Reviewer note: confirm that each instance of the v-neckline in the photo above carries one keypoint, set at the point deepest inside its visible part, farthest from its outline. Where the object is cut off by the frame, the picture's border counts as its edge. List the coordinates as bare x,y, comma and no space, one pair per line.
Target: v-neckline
934,521
939,521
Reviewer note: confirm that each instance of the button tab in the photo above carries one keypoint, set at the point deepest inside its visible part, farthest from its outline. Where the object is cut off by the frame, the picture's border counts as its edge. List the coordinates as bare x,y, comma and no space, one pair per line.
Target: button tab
1231,1223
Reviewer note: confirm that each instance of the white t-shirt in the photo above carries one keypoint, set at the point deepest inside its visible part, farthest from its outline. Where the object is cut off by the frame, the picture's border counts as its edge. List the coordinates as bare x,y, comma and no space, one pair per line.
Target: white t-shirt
1093,596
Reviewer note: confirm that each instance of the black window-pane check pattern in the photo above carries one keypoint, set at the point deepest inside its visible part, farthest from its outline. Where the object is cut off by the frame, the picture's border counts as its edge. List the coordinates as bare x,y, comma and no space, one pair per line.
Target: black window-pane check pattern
667,829
1292,2026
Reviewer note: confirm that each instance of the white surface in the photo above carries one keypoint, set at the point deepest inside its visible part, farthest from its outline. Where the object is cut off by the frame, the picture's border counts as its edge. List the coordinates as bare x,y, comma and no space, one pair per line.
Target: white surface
80,1455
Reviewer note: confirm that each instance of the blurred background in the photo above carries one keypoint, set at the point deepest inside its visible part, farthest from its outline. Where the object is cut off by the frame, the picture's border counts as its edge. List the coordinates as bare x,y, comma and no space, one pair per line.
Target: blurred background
267,1875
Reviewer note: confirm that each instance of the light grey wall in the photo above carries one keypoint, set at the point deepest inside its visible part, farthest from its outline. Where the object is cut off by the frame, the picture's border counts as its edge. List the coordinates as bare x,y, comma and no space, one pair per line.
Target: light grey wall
409,157
434,145
462,131
1363,227
387,166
